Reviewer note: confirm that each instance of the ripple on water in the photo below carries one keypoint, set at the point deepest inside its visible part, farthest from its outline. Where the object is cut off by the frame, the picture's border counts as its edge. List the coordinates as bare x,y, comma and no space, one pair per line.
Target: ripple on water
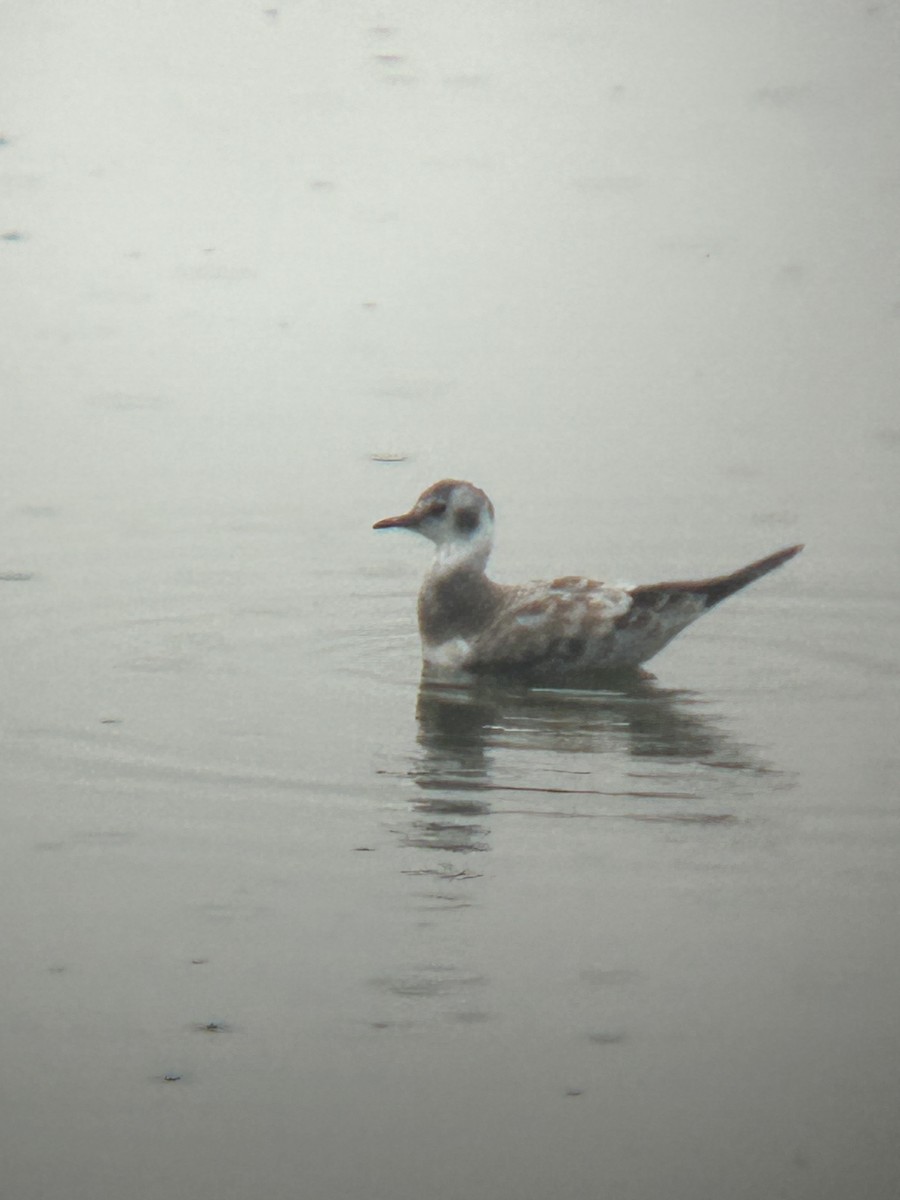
634,752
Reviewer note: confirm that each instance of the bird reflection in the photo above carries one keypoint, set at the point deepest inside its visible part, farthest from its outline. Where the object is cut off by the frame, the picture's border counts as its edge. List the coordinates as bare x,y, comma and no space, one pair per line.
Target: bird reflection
632,740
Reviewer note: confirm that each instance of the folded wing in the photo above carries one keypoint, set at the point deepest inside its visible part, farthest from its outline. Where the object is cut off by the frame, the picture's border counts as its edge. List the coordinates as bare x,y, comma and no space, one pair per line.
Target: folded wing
562,626
576,625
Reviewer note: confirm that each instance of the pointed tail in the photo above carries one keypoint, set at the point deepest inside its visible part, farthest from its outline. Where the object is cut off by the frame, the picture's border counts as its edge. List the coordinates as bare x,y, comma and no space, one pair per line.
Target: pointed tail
652,595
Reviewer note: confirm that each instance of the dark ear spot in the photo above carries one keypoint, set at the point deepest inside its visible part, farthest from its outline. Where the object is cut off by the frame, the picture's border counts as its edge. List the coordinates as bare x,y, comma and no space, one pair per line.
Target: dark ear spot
466,519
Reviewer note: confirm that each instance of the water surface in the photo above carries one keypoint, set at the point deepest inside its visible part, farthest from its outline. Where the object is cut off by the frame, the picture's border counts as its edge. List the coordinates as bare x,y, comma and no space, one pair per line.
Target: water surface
282,920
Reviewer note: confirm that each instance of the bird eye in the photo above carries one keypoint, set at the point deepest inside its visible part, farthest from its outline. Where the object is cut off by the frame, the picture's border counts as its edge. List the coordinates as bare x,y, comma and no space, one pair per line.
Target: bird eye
437,509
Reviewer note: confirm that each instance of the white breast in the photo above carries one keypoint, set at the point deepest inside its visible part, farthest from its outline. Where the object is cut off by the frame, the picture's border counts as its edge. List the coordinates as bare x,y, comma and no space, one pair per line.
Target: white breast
452,654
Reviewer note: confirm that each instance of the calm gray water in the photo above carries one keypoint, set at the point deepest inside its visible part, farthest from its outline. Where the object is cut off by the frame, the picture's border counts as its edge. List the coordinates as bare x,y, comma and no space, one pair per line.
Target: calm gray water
632,269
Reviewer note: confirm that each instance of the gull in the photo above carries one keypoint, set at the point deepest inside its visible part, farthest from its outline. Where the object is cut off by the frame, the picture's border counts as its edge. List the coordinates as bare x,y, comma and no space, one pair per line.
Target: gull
547,631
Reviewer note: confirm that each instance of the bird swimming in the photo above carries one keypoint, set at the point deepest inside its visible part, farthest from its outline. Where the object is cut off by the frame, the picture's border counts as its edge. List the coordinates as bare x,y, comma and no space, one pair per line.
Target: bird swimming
546,631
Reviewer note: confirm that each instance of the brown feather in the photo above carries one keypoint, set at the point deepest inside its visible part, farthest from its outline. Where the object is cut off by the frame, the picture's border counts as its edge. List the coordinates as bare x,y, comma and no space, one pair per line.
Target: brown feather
715,589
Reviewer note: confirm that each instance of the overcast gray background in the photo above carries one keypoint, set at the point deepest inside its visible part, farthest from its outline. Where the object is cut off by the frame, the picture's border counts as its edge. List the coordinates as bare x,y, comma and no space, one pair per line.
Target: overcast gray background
631,268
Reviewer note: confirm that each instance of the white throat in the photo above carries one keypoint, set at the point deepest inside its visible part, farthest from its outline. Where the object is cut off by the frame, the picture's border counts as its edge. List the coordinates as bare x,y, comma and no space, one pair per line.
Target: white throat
472,552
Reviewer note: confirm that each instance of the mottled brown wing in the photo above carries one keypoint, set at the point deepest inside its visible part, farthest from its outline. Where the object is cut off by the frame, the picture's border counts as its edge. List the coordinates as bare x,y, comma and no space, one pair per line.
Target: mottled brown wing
661,610
556,625
710,591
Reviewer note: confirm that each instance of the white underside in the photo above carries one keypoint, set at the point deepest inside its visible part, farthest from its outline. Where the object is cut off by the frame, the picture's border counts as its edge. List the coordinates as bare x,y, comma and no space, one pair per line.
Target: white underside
451,655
